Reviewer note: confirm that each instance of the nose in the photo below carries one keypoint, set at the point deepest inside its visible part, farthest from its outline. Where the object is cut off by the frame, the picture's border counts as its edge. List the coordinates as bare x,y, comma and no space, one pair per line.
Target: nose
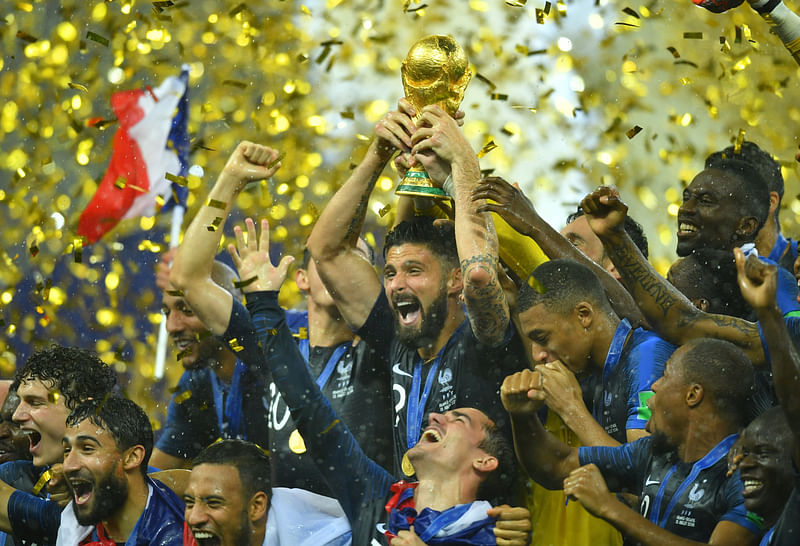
435,418
398,282
688,205
21,413
5,429
540,354
195,515
175,321
71,462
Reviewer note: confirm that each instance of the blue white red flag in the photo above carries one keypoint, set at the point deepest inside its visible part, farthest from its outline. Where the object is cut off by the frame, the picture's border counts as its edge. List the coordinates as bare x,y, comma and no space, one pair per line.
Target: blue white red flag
150,144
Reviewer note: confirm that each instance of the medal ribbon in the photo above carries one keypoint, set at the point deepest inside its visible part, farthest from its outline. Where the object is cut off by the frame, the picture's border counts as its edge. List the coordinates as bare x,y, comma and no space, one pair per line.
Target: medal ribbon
327,371
612,359
229,411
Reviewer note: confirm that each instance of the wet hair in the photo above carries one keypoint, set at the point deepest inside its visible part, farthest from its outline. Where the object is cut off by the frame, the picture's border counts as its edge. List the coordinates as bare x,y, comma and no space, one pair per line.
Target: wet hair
753,197
711,275
226,277
632,228
77,374
768,169
560,285
777,423
725,373
502,479
440,239
252,463
370,254
124,419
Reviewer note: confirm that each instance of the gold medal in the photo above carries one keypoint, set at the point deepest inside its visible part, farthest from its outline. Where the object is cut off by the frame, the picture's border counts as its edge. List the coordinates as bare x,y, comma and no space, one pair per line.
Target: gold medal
408,468
296,443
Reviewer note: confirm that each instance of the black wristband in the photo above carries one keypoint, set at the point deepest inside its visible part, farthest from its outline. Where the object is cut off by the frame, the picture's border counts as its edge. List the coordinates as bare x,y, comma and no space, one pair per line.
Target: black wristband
768,7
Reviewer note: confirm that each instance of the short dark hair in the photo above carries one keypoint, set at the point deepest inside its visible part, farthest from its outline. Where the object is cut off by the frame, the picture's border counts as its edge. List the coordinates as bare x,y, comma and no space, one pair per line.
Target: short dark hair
754,196
632,228
769,170
124,419
370,254
725,373
500,482
560,285
78,374
252,463
439,238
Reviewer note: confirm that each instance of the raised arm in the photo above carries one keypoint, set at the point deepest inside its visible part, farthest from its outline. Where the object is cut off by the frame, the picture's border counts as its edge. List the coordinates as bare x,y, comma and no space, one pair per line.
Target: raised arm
758,282
545,459
475,235
515,208
334,238
191,270
668,311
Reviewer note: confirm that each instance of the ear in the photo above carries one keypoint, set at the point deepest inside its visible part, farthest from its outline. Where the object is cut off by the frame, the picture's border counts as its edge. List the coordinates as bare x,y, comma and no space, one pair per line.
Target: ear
695,395
257,508
774,202
746,227
301,279
132,458
454,283
584,311
485,464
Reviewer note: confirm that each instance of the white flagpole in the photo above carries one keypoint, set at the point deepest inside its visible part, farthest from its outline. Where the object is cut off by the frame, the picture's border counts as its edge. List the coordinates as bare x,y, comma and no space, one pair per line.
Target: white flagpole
161,348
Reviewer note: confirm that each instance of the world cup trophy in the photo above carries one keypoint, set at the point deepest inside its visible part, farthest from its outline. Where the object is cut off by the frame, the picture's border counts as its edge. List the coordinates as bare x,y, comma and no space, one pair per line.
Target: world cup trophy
435,71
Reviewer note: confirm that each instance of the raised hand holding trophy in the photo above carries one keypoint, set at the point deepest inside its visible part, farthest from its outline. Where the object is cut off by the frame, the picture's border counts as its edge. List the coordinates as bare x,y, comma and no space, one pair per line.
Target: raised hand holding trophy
435,71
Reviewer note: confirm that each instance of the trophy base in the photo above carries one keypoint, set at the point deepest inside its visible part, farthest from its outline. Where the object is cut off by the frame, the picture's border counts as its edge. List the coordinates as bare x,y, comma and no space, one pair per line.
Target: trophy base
421,191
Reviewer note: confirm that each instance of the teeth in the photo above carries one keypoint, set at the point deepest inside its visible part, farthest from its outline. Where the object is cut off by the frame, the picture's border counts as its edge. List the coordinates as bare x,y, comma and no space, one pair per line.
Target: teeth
686,227
432,435
202,534
752,484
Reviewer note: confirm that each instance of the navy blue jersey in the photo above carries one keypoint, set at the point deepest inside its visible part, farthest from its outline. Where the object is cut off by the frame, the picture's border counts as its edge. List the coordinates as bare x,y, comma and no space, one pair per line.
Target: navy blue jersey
194,419
466,373
786,531
357,387
784,253
635,361
687,499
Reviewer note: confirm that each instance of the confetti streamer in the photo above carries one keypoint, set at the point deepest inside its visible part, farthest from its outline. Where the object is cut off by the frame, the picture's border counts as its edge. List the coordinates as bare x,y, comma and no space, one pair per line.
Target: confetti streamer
633,131
93,36
692,35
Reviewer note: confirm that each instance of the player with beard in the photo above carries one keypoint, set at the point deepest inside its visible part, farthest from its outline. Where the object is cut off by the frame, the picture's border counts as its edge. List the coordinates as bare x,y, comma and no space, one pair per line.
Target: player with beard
107,445
679,473
441,355
770,446
212,370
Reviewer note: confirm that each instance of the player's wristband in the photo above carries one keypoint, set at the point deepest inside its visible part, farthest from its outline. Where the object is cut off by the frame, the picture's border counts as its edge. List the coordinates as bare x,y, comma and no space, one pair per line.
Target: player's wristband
447,186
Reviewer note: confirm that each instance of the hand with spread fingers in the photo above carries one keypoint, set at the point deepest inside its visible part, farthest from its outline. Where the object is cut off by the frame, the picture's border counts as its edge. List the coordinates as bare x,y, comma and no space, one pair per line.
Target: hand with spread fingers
586,485
522,393
513,527
605,211
758,280
510,203
394,131
252,260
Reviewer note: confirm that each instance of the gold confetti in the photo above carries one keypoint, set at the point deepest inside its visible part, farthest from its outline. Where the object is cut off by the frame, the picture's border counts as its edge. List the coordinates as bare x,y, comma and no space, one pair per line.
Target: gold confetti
175,293
237,10
305,10
692,35
34,249
78,86
53,397
185,395
737,146
499,96
347,114
674,52
183,353
547,8
235,83
248,282
93,36
384,209
685,81
120,182
412,10
534,283
25,37
725,46
488,147
77,250
179,180
632,12
234,345
633,131
517,3
214,226
539,16
276,160
222,205
623,24
485,80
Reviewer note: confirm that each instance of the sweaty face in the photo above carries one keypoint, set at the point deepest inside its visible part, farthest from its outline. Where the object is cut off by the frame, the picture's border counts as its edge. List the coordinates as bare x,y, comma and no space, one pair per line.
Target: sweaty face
556,337
710,213
14,443
216,508
42,416
194,342
417,292
451,440
93,468
583,238
765,469
667,405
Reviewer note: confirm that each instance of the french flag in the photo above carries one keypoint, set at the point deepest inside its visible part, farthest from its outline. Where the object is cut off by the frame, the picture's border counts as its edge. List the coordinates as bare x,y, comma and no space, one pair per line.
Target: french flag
152,142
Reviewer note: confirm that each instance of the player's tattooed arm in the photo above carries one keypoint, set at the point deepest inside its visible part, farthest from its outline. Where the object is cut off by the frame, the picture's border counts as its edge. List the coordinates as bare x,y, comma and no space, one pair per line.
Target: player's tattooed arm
486,302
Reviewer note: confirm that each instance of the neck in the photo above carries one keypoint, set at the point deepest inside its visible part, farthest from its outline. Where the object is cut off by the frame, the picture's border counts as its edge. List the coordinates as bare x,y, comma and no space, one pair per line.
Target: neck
767,236
120,526
441,492
604,334
702,435
326,327
455,316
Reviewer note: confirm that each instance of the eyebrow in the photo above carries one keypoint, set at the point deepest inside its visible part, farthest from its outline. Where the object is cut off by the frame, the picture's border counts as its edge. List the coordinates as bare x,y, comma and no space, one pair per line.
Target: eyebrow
533,334
462,414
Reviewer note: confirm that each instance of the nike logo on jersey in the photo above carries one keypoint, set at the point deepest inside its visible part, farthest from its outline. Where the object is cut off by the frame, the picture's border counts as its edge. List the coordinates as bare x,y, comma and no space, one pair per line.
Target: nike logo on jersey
648,482
396,369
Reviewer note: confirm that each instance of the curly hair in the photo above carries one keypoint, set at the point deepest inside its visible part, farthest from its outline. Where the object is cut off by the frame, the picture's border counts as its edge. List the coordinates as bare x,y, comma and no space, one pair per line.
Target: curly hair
78,374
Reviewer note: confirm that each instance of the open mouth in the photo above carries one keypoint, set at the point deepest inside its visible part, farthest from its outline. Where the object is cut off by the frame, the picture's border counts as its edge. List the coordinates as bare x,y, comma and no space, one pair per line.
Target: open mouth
34,438
752,487
408,310
183,343
81,490
204,538
431,435
686,229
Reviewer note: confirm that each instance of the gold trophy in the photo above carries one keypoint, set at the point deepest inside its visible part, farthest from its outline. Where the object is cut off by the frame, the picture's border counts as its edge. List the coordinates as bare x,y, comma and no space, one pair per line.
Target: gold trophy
435,71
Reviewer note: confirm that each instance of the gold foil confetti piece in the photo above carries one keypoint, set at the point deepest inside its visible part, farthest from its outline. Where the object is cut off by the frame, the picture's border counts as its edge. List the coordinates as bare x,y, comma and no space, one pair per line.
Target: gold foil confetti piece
77,250
632,12
120,183
302,58
305,10
684,61
25,37
384,209
737,37
499,96
537,52
78,86
413,10
365,138
516,4
137,188
179,180
486,80
347,114
633,131
539,16
247,282
521,49
222,205
185,395
159,203
93,36
183,353
488,147
674,52
624,24
175,293
214,226
236,10
534,283
562,8
685,81
547,6
737,146
234,344
53,397
692,35
235,83
725,47
276,160
34,249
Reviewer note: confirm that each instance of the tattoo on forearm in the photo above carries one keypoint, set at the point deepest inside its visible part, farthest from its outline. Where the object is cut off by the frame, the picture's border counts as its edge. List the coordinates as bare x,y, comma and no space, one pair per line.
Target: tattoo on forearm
354,229
488,312
637,274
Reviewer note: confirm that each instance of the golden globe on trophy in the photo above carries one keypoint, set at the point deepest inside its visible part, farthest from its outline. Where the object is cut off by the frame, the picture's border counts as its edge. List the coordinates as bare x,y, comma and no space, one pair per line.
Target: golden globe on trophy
435,71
